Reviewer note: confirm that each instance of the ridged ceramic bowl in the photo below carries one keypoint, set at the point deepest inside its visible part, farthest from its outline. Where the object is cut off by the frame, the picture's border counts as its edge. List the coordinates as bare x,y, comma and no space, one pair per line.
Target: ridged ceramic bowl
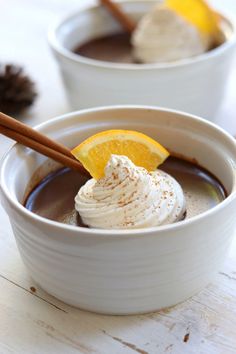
124,272
195,85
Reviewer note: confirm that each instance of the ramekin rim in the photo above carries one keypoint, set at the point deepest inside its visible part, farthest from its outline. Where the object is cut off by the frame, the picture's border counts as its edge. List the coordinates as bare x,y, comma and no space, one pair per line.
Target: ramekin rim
115,232
76,58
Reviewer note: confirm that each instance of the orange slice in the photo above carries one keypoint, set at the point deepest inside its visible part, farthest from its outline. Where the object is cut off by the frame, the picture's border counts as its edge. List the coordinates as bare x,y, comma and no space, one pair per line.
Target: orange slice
198,13
95,151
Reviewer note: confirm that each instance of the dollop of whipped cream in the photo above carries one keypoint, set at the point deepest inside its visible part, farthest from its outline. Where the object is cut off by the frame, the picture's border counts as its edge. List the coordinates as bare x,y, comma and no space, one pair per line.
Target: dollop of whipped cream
162,35
130,197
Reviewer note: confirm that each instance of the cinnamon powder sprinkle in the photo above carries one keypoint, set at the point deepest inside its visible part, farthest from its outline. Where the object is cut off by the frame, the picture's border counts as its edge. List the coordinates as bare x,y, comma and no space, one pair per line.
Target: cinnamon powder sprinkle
186,337
32,288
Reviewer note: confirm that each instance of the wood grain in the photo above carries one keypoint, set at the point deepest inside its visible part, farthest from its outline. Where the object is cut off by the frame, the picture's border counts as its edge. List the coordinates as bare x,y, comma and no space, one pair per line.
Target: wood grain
33,322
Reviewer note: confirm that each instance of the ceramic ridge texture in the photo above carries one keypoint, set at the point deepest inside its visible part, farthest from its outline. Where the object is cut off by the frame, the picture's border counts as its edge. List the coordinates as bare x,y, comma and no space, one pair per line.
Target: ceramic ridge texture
125,272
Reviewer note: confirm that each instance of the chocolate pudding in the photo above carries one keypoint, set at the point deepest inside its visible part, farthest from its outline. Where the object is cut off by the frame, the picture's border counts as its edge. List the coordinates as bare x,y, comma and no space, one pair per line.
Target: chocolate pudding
114,48
53,197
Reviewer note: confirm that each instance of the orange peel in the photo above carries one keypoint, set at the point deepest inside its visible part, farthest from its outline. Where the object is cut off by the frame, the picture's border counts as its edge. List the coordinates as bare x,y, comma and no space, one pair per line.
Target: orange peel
198,13
95,152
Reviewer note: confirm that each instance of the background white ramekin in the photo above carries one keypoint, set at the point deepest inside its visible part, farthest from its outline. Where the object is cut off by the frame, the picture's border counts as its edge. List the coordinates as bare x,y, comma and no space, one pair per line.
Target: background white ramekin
194,85
124,272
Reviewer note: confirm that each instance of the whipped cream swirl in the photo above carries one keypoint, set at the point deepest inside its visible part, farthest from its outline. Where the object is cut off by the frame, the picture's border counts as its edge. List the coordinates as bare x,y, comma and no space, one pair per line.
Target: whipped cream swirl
130,197
162,36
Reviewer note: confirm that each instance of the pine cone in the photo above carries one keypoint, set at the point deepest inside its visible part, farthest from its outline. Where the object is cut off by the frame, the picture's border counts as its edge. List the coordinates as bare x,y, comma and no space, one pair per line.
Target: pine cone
17,91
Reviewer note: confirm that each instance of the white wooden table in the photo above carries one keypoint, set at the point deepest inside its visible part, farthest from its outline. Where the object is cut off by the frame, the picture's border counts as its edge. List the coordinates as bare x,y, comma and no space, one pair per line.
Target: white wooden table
32,321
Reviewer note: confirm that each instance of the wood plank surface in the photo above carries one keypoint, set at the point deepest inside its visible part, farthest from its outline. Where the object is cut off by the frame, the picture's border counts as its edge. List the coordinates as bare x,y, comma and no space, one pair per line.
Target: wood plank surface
32,321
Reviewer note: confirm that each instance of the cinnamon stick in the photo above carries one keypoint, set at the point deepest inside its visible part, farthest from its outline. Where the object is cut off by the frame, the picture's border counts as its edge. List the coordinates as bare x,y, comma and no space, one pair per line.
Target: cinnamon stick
116,11
39,142
26,130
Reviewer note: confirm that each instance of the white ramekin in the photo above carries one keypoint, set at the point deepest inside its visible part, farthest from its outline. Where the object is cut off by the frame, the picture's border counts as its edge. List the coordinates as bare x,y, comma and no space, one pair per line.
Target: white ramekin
124,272
194,85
